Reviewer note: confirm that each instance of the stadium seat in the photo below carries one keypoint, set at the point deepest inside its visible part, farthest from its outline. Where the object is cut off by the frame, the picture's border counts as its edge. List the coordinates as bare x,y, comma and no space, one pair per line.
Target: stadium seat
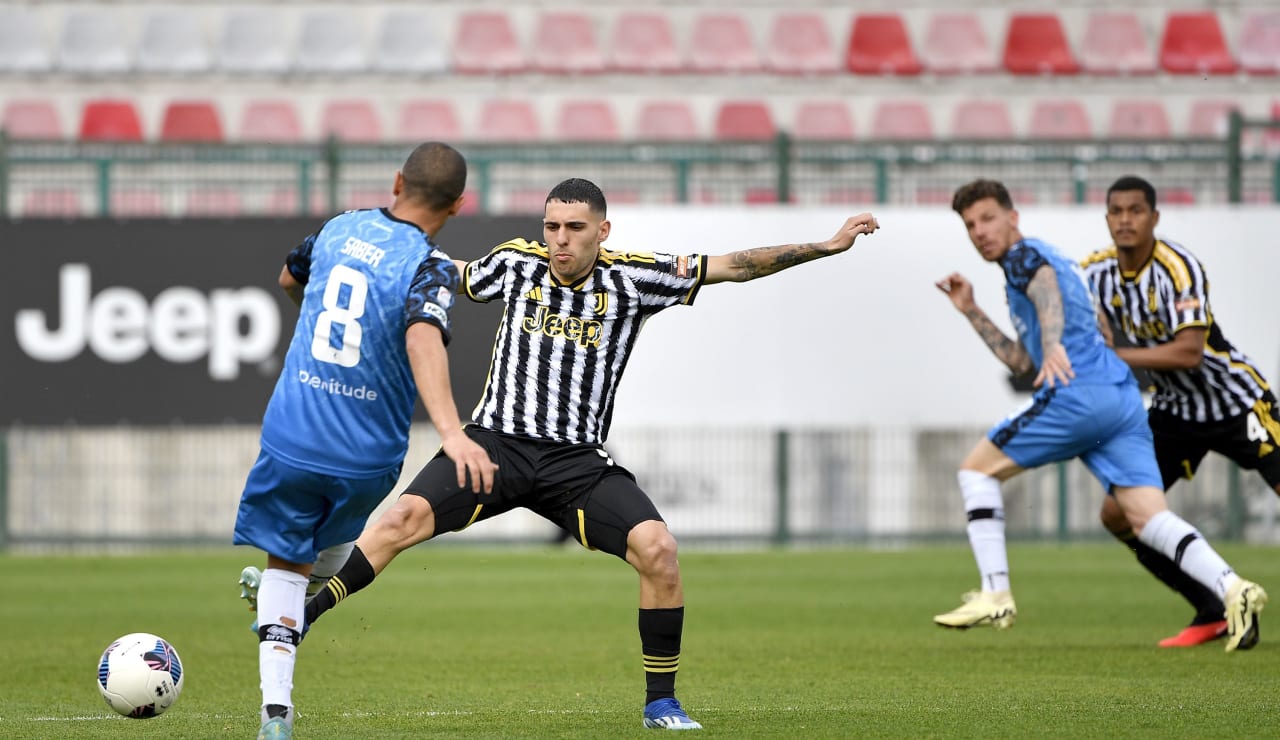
570,44
722,43
195,120
136,203
172,43
508,121
31,119
1059,119
586,120
270,120
981,119
1036,44
849,196
22,47
643,42
330,42
759,196
955,43
485,42
799,43
92,42
53,202
1138,119
1114,43
213,203
1209,118
1260,42
1193,44
252,42
110,120
410,41
667,120
366,198
429,120
350,121
902,120
879,44
284,202
744,120
825,120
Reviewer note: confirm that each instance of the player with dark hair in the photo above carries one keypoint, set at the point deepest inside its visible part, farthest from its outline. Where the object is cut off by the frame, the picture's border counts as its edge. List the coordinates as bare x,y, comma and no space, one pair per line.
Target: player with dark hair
573,311
1209,396
1087,405
374,293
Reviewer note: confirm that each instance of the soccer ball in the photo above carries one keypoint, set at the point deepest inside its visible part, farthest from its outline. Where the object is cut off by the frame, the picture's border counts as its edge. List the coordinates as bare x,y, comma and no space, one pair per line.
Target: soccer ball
140,675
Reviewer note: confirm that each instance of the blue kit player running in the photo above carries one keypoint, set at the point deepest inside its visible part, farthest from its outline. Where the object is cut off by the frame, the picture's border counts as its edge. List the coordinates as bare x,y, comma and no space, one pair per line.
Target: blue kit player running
1087,405
374,293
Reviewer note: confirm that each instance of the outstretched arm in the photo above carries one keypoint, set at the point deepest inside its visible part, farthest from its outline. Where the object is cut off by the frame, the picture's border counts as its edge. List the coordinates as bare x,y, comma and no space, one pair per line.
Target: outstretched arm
1184,352
1010,352
1044,293
749,264
290,285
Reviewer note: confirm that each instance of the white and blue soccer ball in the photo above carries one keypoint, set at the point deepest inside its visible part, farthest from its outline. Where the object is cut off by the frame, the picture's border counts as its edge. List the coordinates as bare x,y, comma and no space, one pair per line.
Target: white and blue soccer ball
140,675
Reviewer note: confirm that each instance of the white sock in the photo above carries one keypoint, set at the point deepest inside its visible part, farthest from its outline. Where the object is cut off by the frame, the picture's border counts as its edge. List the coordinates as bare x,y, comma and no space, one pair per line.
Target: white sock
281,603
1171,536
330,560
984,506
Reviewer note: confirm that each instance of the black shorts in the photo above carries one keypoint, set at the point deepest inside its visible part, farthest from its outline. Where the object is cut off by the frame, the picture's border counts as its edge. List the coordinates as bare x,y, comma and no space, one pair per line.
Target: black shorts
576,486
1251,440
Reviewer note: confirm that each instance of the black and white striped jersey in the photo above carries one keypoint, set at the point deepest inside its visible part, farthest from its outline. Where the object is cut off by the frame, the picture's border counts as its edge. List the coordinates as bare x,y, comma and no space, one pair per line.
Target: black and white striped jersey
1150,306
561,349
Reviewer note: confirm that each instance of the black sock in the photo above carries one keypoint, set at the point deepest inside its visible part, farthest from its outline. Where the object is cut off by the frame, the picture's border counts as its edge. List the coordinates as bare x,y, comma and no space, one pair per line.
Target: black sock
1209,608
660,631
354,575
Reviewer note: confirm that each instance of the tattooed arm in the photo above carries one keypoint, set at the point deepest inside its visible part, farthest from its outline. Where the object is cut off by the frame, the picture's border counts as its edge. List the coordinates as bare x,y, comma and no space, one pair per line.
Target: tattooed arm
1010,352
749,264
1055,367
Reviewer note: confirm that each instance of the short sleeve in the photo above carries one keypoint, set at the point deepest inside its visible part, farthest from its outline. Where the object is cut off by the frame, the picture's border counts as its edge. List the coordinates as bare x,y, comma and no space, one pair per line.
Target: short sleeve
1020,266
298,261
665,279
483,278
431,294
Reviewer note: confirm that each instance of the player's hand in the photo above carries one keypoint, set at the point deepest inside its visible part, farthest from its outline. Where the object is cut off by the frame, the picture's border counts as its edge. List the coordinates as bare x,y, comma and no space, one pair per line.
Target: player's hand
958,289
863,223
471,461
1056,368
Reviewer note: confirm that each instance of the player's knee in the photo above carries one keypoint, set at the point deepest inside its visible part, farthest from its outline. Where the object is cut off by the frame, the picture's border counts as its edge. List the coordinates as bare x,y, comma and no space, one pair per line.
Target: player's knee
408,522
654,547
1113,518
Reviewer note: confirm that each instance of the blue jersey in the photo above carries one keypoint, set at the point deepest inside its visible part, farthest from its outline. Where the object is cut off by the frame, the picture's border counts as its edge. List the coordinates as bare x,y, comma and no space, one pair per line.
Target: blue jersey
344,400
1091,359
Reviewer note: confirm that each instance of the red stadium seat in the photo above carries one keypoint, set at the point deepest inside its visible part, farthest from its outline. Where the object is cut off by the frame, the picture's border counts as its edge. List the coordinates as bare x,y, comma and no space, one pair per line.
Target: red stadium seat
1209,118
759,196
981,119
878,44
192,120
587,120
1260,42
271,121
568,44
667,120
902,120
53,202
136,203
351,121
508,120
485,43
110,120
214,202
1036,44
31,119
1114,43
849,196
823,120
1193,44
1139,119
800,44
954,42
1059,119
744,120
644,42
428,120
722,43
470,202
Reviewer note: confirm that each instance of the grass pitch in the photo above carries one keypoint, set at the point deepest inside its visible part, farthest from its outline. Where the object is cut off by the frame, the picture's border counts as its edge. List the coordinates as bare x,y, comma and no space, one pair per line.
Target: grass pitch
502,643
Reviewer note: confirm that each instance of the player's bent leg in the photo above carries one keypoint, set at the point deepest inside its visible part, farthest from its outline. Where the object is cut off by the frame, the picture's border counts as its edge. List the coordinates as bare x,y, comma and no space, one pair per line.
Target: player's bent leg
651,550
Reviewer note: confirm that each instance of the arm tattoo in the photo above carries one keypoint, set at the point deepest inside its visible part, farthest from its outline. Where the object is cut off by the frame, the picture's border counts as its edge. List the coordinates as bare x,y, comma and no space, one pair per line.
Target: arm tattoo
1043,292
750,264
1009,352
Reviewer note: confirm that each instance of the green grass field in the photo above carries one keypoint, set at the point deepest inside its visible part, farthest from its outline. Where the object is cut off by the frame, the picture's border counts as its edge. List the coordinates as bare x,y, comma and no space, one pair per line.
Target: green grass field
462,642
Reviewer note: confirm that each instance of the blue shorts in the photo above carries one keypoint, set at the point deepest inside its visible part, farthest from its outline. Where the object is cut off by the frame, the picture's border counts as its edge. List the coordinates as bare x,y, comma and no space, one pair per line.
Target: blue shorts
1103,425
293,513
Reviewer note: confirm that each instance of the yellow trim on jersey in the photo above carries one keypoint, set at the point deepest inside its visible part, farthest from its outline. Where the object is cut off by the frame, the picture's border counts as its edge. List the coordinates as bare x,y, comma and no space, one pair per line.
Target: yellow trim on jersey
1237,364
472,520
1102,255
609,257
523,246
1172,263
582,529
1262,410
